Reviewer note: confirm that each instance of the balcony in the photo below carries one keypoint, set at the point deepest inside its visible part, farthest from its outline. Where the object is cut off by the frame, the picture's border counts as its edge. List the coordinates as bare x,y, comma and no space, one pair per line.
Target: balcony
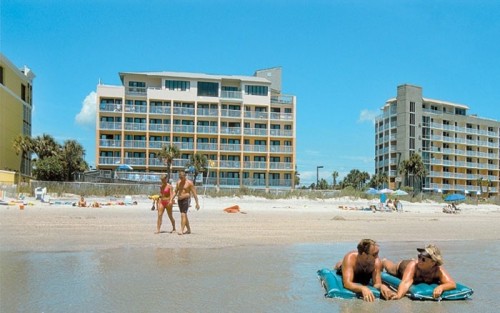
136,109
255,165
225,164
184,111
230,130
109,143
207,129
230,113
281,116
160,110
158,144
280,149
205,146
109,160
281,132
110,107
159,127
183,129
228,94
230,147
255,131
135,143
136,126
110,125
283,99
256,115
136,91
207,112
280,165
255,148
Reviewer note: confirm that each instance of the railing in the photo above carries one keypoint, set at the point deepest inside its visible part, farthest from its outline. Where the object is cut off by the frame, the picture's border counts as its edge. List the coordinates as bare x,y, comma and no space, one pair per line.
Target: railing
255,164
183,111
110,125
109,143
207,112
159,127
281,149
255,131
255,115
136,126
136,108
281,132
135,161
207,129
160,110
183,128
230,147
230,164
109,160
280,165
283,99
158,144
206,146
255,148
231,130
281,116
135,143
141,91
230,113
110,107
228,94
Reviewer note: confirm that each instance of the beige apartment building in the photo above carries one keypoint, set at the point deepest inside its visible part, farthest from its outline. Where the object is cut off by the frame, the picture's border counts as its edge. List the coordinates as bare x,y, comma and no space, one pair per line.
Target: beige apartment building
460,151
15,119
243,124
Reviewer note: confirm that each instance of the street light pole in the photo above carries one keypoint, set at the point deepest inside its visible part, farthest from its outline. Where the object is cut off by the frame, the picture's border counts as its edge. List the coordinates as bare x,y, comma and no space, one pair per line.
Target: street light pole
317,175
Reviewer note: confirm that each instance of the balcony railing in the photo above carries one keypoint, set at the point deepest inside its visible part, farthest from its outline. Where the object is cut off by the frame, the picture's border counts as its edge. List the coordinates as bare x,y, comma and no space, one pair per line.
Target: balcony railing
110,125
256,115
255,131
254,164
183,129
183,111
207,112
207,129
230,147
159,127
135,143
281,116
227,94
206,146
230,164
160,110
255,148
109,143
283,99
230,113
136,126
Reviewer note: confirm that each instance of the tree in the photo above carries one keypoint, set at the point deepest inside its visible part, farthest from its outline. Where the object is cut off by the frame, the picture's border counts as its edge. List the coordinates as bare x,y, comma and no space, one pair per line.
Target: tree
50,169
335,174
23,145
379,180
199,163
72,156
322,184
167,155
45,146
356,179
414,170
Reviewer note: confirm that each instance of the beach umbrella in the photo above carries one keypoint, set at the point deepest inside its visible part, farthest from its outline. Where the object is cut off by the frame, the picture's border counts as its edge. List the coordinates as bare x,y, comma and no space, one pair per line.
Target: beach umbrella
454,197
399,192
372,191
386,190
124,167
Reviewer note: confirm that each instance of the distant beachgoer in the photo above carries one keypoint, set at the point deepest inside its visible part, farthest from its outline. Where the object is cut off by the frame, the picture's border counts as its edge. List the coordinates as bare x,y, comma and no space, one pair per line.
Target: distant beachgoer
183,190
165,201
82,203
95,204
359,267
426,269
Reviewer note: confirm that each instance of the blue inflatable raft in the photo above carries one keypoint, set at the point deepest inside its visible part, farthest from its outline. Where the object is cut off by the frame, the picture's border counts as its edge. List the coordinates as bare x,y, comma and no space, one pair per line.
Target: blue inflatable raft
424,291
334,288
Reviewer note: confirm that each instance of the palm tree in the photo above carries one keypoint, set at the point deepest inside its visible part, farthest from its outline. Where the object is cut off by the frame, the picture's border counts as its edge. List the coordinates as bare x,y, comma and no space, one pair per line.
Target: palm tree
45,146
413,169
23,145
335,174
199,163
73,156
167,155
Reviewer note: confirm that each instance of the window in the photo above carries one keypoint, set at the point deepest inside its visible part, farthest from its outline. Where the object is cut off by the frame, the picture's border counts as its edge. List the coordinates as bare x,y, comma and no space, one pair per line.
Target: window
23,92
1,75
208,89
412,106
256,90
137,84
177,85
412,118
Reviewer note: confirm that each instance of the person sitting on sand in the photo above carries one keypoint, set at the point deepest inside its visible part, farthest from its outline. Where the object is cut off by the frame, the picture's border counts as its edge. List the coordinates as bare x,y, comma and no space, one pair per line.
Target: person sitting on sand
82,203
95,204
426,269
359,267
390,205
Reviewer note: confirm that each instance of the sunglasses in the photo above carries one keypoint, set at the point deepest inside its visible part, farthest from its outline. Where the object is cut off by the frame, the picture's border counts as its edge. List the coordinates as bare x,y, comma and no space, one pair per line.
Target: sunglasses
424,257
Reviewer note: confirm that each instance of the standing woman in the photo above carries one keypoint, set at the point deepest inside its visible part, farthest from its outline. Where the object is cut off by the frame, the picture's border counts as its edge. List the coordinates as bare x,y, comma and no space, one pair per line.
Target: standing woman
165,202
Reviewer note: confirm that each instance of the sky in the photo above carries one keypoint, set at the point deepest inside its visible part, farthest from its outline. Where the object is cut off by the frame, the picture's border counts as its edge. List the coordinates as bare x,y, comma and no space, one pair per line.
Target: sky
342,59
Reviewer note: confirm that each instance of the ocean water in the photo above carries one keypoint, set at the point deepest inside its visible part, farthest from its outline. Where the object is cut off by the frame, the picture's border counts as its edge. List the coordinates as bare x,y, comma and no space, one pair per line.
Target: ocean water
238,279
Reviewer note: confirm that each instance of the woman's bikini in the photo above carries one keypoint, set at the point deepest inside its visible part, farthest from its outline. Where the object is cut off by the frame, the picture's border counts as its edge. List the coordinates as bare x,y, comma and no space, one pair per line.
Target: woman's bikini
165,195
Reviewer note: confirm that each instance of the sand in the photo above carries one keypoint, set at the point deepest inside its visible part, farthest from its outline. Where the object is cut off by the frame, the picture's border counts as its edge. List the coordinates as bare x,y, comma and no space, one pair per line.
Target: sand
62,227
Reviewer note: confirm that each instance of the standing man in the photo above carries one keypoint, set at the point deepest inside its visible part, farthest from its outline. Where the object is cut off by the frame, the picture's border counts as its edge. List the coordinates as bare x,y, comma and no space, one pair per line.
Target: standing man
183,190
360,267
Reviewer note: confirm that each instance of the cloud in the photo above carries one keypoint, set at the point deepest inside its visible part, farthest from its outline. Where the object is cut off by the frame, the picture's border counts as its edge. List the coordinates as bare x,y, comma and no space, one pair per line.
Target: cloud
87,115
367,116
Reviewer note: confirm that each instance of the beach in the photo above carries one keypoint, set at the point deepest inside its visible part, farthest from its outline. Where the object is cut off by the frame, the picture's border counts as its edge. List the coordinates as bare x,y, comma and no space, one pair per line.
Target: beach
56,227
60,258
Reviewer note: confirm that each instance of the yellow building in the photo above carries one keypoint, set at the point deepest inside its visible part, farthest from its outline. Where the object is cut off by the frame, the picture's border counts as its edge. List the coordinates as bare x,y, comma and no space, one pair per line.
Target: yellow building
15,118
243,124
461,152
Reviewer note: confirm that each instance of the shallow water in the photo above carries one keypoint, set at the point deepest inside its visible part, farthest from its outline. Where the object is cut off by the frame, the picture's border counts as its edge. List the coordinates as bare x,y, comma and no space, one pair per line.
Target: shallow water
239,279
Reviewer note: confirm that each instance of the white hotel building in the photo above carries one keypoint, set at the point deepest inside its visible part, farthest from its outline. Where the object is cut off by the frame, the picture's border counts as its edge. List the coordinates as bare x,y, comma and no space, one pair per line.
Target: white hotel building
460,151
243,124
